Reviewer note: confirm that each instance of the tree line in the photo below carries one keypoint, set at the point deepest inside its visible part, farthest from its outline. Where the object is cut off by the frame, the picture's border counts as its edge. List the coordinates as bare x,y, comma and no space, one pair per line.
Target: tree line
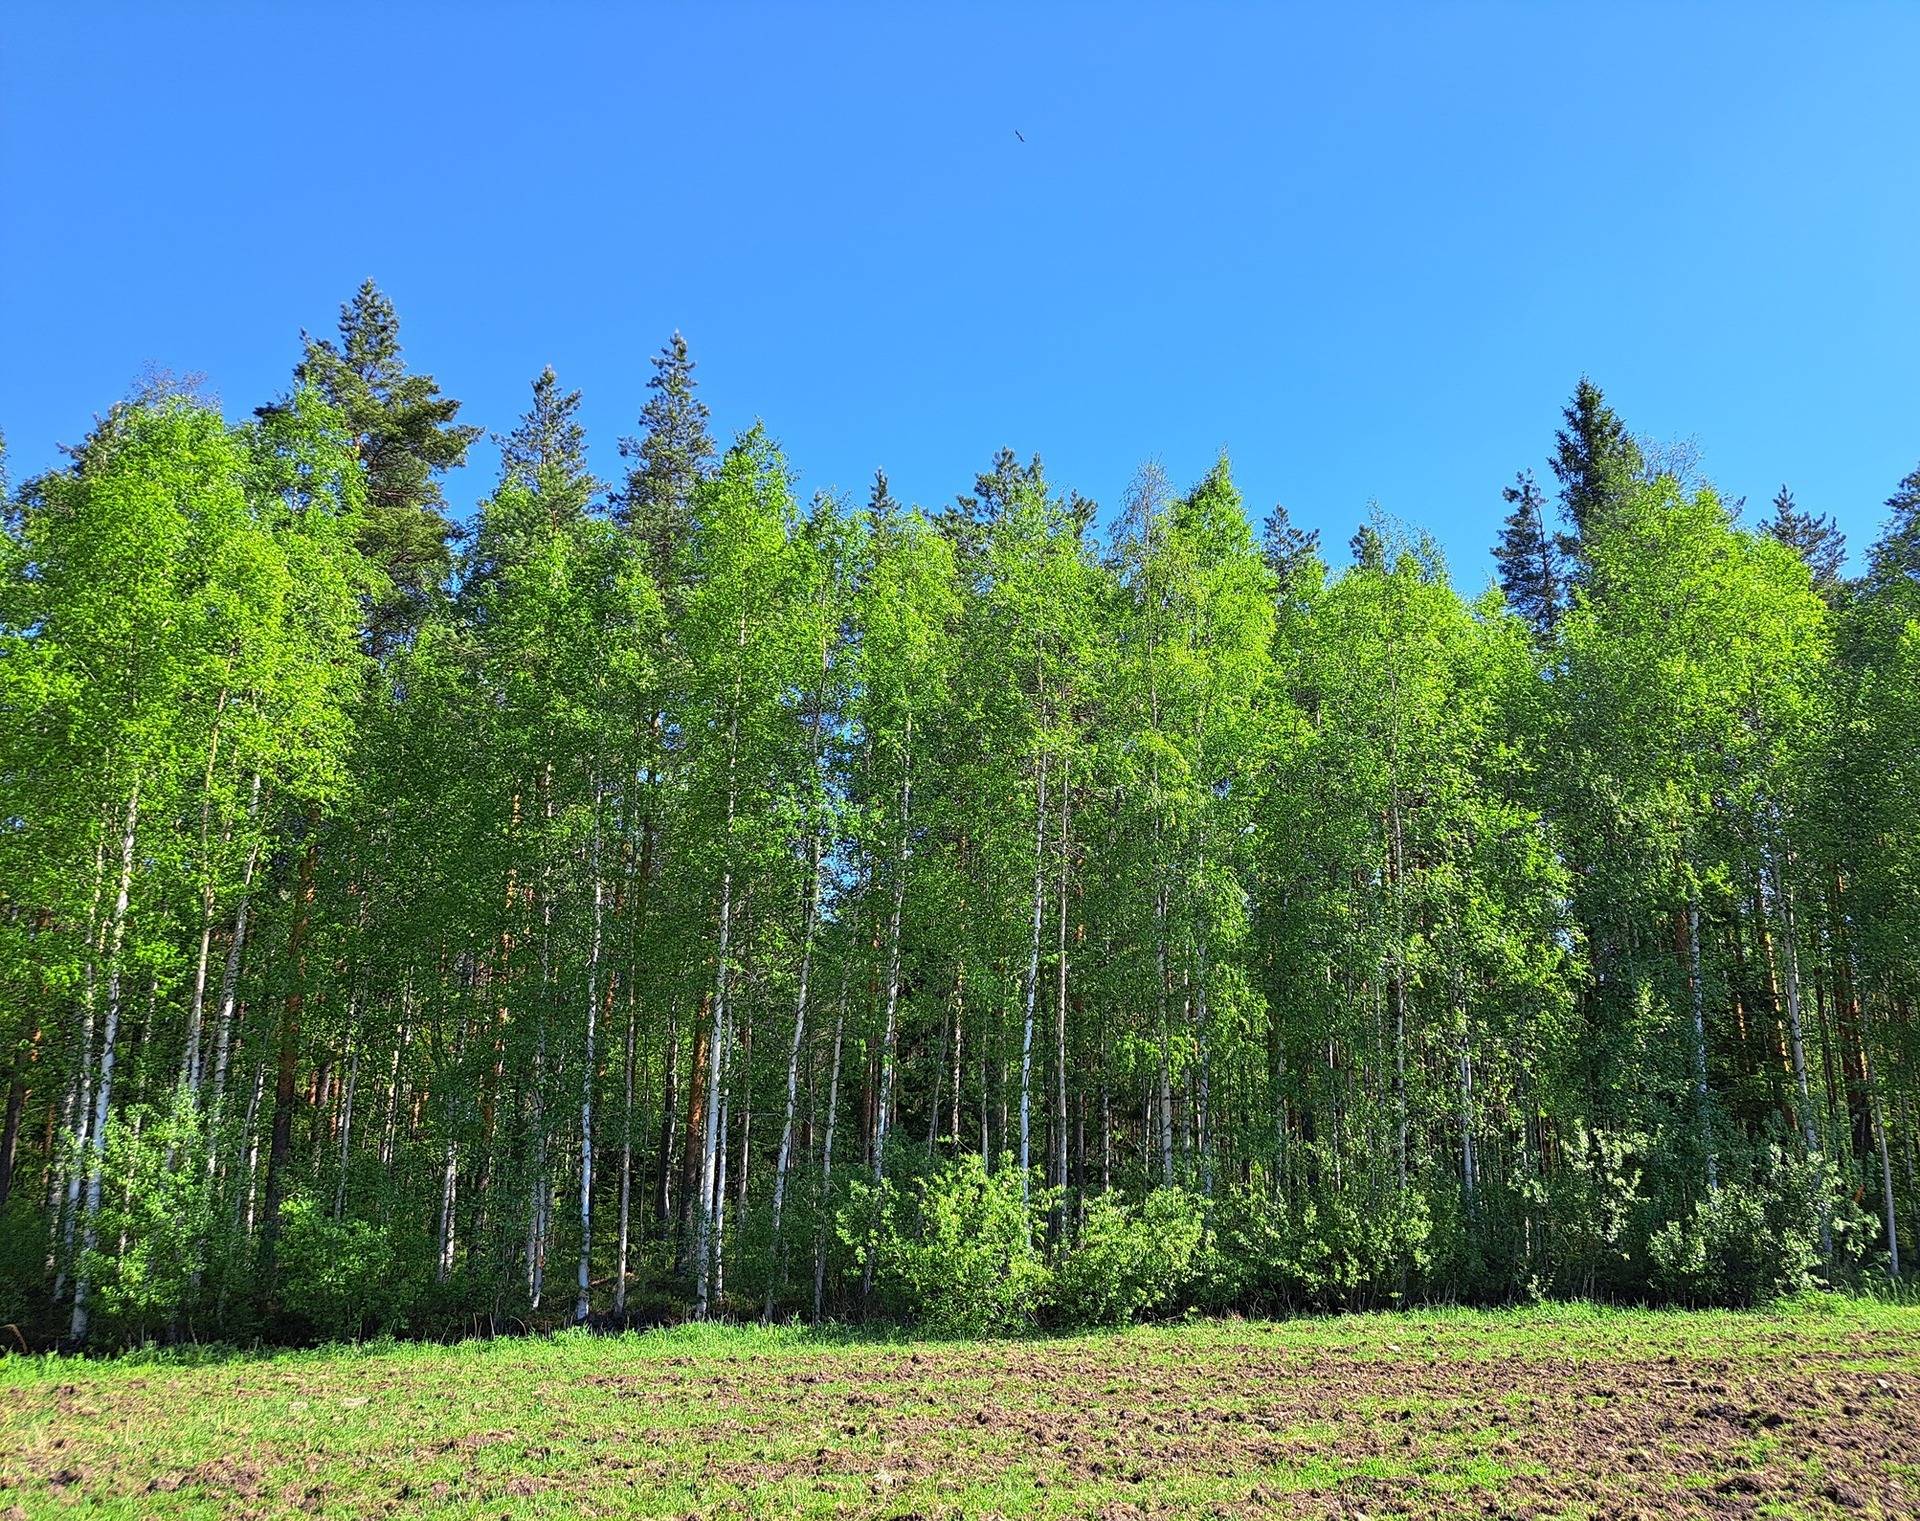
672,897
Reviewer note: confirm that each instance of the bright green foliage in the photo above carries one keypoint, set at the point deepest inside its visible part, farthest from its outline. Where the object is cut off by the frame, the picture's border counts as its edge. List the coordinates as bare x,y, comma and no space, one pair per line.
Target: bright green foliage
1130,1261
1330,1252
957,1251
1745,1246
677,901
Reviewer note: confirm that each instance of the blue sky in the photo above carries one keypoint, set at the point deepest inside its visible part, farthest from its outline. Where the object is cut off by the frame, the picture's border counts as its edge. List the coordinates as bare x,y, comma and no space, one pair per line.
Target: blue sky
1367,250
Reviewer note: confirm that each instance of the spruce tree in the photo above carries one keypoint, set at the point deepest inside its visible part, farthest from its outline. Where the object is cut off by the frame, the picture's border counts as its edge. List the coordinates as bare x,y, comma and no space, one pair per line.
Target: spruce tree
547,450
1530,558
1896,557
404,432
668,461
1815,537
1595,459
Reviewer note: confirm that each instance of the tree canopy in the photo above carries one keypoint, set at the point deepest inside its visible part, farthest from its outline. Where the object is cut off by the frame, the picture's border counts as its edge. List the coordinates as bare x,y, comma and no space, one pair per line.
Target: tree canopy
742,905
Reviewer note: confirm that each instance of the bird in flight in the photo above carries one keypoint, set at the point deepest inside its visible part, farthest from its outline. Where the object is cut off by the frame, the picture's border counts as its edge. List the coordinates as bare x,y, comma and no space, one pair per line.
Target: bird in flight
1017,133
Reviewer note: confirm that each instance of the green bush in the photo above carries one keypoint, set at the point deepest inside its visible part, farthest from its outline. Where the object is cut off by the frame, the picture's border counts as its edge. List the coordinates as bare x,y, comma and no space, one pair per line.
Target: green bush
156,1227
1130,1262
339,1276
957,1251
1332,1253
1746,1242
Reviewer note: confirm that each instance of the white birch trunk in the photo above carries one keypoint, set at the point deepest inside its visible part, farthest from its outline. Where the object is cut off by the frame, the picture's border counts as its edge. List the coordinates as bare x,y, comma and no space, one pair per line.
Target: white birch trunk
793,1076
1697,992
1033,973
626,1167
826,1159
889,1034
103,1096
580,1304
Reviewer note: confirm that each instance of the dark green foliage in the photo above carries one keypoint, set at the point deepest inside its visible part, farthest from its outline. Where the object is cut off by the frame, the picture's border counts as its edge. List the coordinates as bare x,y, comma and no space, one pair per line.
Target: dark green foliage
1530,559
547,452
403,431
1896,556
665,462
1595,460
1286,547
1813,536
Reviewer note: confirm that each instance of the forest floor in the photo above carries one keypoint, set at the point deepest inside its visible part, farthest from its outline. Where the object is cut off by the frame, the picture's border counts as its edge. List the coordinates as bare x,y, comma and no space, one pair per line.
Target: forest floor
1570,1411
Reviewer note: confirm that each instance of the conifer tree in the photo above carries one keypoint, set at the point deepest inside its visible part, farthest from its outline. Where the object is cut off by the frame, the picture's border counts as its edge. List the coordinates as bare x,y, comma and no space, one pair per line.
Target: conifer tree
547,451
1529,558
1595,460
1896,555
667,461
1286,547
406,435
1815,537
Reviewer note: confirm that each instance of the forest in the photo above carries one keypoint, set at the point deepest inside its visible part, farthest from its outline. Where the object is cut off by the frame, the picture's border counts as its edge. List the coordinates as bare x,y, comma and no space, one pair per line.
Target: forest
670,898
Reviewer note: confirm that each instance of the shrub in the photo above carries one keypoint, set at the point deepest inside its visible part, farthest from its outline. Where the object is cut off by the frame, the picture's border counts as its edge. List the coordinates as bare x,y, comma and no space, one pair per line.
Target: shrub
156,1226
1129,1263
1333,1252
338,1276
956,1252
1746,1243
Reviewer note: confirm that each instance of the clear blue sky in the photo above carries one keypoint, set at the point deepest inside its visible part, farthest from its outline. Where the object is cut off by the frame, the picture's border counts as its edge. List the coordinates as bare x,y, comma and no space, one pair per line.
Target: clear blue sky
1368,251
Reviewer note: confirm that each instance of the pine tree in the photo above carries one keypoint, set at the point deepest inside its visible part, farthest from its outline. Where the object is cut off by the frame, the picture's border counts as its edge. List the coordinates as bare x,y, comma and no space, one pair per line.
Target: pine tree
1285,547
667,462
1815,537
405,434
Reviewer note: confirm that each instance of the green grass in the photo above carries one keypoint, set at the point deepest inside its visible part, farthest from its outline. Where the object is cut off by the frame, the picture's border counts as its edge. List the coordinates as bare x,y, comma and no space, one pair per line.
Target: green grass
1574,1411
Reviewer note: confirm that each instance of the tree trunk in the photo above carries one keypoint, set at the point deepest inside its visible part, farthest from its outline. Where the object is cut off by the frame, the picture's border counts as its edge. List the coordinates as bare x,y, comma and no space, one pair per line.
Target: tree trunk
229,987
285,1096
1790,958
346,1110
793,1078
721,1153
10,1135
1469,1160
959,1027
79,1101
696,1121
626,1165
449,1195
1886,1197
826,1157
663,1207
1033,970
889,1034
196,1003
1058,1161
588,1072
716,1046
1697,993
103,1093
